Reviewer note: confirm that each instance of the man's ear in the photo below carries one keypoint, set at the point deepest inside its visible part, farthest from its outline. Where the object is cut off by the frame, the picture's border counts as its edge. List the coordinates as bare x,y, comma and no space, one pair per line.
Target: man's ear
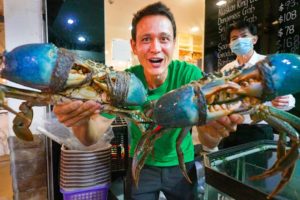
254,39
133,46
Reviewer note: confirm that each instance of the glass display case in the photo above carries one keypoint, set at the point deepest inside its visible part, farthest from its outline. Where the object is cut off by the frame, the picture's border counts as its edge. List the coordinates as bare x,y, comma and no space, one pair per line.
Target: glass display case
227,173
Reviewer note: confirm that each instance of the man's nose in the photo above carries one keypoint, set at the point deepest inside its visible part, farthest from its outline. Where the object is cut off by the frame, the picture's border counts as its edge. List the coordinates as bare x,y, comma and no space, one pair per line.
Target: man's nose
155,46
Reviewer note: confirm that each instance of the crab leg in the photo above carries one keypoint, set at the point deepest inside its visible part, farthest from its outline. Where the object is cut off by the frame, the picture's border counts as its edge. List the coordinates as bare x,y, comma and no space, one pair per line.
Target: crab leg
182,166
32,96
141,153
286,161
286,176
142,150
22,121
136,116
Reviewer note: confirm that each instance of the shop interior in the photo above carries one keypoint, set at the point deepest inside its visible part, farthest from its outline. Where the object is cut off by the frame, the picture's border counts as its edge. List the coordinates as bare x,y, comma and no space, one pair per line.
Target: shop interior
99,30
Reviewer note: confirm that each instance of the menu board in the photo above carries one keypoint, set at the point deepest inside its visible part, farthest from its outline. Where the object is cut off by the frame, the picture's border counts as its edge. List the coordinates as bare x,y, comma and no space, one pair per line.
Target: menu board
278,23
288,32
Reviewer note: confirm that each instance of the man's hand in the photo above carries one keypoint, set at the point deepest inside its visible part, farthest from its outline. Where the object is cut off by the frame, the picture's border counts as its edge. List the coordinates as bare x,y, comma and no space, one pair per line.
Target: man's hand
87,125
76,112
211,134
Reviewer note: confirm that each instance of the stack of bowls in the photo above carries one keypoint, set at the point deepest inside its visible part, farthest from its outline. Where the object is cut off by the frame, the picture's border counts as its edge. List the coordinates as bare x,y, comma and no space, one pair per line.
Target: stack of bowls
84,169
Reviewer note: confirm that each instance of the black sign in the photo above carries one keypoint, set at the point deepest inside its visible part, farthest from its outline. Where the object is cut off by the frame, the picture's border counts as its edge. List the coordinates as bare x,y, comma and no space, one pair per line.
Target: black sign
288,32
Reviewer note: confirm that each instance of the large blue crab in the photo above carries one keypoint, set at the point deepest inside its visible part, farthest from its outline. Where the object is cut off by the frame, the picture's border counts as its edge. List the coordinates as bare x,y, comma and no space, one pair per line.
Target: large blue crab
60,75
238,91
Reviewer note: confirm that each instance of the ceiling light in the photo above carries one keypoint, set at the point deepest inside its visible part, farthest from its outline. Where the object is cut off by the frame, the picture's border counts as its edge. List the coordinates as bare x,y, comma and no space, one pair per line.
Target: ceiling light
195,29
221,2
275,22
70,21
81,39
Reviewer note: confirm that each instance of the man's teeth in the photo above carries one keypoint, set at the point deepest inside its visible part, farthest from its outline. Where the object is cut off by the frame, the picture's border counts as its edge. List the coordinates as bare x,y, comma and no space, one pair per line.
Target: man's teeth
156,60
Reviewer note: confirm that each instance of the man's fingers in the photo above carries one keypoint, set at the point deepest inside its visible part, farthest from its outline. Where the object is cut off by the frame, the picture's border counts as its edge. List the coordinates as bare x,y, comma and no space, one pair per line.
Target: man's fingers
208,129
75,112
236,118
226,123
66,108
219,129
78,115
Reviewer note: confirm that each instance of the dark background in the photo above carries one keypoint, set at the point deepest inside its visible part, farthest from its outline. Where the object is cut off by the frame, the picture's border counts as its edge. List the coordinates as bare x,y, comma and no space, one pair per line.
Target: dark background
88,16
278,23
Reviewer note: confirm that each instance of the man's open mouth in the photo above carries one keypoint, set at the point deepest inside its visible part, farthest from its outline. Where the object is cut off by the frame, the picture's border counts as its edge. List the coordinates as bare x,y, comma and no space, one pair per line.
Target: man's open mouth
155,60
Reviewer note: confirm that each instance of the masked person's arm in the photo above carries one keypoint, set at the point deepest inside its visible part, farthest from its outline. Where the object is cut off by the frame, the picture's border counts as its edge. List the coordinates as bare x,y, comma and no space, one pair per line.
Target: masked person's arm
84,119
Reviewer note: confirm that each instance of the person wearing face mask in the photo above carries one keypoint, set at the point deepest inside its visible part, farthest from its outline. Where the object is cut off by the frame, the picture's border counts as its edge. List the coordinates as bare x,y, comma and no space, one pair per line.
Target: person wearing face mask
242,36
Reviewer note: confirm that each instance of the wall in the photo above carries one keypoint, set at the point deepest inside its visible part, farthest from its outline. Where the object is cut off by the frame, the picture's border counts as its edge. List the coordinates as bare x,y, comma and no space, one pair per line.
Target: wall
118,16
23,24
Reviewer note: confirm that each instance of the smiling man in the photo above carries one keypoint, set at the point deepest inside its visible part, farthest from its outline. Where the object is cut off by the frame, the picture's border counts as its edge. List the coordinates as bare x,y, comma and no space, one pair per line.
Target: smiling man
153,42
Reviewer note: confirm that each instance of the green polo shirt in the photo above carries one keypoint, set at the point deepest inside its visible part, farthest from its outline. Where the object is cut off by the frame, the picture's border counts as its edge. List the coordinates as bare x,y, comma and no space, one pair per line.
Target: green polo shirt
164,154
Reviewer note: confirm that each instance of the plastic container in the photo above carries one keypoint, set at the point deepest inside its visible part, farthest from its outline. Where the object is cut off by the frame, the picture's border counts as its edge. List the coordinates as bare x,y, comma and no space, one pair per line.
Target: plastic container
98,192
231,168
84,169
28,167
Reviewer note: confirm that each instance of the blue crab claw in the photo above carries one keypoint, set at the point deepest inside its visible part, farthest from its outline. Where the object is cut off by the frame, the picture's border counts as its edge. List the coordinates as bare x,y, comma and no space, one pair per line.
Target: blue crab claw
281,72
276,75
188,105
40,66
50,69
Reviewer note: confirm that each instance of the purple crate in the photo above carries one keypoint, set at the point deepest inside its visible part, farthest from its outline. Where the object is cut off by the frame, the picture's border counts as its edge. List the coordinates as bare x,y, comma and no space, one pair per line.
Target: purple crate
98,192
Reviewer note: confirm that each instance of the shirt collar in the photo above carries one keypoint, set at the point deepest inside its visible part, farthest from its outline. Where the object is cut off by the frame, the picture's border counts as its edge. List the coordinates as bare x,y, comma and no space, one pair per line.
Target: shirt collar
254,58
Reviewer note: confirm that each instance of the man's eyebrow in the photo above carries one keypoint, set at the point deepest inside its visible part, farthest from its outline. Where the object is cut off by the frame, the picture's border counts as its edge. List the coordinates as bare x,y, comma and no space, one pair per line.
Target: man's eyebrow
165,34
145,35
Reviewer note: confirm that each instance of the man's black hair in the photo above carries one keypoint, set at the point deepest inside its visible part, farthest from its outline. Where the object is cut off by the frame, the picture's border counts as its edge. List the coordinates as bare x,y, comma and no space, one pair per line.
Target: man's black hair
239,25
157,8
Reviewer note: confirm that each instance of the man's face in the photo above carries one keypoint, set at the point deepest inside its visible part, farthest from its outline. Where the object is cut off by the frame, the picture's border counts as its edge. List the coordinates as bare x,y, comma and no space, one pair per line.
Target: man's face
154,45
242,33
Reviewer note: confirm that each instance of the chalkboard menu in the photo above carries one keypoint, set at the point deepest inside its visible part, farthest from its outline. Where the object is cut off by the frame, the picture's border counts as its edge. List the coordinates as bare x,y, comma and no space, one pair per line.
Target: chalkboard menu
288,32
278,23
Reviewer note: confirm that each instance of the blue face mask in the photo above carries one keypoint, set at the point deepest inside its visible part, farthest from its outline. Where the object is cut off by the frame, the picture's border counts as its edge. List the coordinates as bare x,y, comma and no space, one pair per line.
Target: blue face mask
241,46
